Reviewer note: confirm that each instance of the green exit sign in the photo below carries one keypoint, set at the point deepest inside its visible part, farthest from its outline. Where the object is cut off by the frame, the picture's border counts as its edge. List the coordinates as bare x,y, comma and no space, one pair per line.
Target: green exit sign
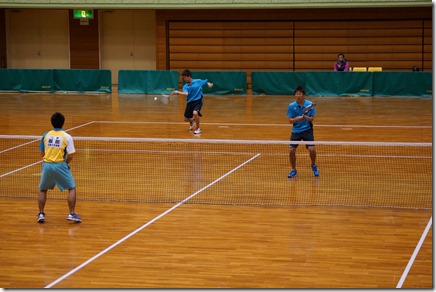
89,14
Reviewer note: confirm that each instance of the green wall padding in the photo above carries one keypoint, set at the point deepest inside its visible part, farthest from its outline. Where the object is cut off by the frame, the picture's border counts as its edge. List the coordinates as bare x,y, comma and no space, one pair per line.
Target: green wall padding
26,80
339,83
403,84
224,82
277,83
52,80
82,80
147,81
410,84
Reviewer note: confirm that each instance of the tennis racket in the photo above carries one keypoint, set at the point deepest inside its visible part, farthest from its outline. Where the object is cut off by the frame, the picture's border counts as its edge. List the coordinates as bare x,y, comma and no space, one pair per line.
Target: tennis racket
163,98
308,108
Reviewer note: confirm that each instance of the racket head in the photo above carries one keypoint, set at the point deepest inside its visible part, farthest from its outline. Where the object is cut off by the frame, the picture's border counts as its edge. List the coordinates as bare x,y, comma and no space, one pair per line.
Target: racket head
308,108
164,99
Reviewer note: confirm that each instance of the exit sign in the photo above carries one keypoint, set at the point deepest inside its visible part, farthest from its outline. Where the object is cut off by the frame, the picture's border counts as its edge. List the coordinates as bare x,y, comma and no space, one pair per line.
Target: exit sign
88,14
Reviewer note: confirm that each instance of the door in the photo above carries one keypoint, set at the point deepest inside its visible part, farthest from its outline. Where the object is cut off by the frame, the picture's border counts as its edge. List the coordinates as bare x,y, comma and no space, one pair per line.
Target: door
128,40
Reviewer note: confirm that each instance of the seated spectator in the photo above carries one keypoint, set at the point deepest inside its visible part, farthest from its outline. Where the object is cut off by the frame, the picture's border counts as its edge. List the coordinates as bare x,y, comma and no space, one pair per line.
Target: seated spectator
342,64
415,69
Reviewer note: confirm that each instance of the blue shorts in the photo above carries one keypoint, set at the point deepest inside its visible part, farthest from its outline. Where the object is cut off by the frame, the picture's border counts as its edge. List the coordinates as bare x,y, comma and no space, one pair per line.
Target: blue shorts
56,174
305,136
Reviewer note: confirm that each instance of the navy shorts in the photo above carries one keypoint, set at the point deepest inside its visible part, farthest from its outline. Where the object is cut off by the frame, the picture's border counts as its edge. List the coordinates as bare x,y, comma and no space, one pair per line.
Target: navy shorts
303,136
193,106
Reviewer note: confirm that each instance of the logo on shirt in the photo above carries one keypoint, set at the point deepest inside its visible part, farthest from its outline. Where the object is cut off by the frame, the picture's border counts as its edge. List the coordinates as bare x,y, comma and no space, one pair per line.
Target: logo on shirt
54,142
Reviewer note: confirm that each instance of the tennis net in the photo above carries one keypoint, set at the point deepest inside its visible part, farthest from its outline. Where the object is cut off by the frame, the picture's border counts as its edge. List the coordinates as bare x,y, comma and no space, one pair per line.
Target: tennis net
239,172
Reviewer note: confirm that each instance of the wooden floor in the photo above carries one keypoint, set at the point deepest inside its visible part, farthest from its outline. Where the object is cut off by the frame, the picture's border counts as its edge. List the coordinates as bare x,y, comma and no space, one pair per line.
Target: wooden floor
138,244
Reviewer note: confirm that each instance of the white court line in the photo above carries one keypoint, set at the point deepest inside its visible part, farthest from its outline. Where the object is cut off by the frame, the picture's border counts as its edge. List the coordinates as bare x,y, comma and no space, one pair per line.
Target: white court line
35,163
21,168
147,224
264,125
415,253
24,144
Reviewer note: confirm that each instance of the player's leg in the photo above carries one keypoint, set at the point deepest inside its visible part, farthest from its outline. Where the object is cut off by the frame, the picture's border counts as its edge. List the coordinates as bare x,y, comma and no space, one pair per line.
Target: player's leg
196,119
72,200
308,136
312,154
293,162
293,158
196,113
65,181
188,115
47,182
42,198
72,216
292,155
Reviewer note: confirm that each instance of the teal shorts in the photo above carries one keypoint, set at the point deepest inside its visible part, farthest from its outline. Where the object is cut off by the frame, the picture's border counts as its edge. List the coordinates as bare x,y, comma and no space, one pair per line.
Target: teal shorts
56,174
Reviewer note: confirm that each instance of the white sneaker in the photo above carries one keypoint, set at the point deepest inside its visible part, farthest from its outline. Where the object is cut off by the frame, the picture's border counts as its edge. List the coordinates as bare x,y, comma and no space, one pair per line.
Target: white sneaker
191,124
198,131
41,217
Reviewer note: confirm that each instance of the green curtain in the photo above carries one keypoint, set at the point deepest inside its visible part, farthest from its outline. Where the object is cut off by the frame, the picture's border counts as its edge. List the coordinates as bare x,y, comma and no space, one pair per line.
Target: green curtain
82,80
147,81
339,83
224,82
277,83
26,80
403,84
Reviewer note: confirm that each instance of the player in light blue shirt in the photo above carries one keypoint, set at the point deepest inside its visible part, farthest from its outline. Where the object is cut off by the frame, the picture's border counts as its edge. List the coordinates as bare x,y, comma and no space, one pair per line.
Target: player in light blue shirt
302,129
193,90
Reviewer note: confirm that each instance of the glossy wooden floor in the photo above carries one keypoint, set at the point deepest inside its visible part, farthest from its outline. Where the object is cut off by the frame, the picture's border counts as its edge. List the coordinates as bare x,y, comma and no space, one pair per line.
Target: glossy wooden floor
163,245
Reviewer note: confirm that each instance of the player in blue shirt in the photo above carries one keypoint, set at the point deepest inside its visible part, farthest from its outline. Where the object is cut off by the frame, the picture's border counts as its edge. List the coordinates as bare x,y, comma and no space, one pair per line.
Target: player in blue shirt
302,129
194,97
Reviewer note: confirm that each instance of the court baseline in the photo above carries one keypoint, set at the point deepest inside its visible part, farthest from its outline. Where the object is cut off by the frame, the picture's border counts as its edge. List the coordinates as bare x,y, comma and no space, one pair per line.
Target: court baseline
265,125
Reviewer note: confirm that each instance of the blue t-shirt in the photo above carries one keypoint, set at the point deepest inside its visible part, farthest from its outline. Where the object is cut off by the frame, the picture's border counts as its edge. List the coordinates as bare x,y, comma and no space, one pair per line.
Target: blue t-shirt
194,90
295,110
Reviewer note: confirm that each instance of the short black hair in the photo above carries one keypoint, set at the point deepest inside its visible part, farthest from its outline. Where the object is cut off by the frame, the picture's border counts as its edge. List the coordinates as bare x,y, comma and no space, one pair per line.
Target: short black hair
341,54
186,73
300,89
57,120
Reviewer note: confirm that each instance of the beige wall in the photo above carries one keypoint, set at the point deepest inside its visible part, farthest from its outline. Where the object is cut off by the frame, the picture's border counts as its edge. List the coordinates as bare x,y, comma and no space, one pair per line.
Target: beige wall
37,39
127,40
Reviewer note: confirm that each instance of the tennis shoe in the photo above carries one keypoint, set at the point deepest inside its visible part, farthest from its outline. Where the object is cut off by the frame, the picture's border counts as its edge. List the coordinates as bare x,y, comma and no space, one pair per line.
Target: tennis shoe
74,217
41,217
191,124
292,174
315,170
198,131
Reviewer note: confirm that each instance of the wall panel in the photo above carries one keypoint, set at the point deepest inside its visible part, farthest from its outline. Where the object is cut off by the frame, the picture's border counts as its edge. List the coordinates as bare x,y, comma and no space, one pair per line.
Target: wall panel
84,43
365,43
393,38
230,45
3,58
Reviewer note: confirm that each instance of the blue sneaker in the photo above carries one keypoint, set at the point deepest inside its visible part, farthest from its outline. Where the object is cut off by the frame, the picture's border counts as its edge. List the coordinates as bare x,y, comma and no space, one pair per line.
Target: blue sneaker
74,217
315,170
292,174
